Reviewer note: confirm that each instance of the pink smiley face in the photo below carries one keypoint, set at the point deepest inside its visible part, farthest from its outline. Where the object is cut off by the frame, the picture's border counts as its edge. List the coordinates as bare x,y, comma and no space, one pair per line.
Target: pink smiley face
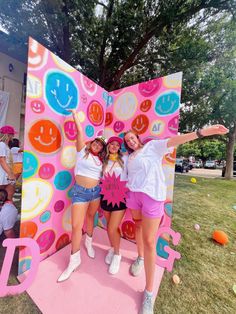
45,240
37,106
119,126
149,88
46,171
70,130
84,99
173,125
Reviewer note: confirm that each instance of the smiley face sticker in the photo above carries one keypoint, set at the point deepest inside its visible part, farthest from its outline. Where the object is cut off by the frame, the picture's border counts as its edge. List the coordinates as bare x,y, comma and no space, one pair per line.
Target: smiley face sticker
109,118
146,105
140,124
70,130
88,85
68,157
173,125
36,196
150,88
37,55
167,103
37,106
45,136
125,106
95,113
30,165
61,92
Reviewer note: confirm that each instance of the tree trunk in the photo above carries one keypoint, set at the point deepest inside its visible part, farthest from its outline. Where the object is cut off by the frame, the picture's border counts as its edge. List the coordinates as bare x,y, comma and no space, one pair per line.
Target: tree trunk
230,153
66,49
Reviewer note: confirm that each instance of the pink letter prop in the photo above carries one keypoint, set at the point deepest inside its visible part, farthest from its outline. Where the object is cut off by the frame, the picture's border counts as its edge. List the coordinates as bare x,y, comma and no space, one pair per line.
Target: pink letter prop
169,262
11,244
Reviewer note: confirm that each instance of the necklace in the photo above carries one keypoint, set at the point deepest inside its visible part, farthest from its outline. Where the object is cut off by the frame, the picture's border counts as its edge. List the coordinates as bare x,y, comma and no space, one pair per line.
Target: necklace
96,161
113,157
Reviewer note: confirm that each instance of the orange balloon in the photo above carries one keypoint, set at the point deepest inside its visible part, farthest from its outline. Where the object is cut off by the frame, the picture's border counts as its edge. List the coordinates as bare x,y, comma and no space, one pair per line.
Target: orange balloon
220,237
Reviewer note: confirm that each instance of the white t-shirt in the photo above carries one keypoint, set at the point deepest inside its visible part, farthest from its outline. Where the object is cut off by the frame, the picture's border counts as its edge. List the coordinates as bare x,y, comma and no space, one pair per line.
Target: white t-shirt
8,216
90,167
16,156
4,152
145,173
114,167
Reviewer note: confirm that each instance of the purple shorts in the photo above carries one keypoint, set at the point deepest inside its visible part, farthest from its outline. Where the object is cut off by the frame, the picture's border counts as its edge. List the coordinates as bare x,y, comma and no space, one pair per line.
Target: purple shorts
148,206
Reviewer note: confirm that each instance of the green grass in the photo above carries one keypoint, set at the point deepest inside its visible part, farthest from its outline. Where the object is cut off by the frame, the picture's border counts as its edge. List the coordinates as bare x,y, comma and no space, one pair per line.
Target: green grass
207,270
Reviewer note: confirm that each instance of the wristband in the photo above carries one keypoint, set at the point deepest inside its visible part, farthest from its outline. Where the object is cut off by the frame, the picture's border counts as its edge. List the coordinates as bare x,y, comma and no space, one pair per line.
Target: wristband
199,134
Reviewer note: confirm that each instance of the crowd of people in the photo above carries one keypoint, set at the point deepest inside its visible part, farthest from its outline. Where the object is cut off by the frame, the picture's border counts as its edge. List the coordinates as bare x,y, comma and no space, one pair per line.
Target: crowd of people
143,171
11,159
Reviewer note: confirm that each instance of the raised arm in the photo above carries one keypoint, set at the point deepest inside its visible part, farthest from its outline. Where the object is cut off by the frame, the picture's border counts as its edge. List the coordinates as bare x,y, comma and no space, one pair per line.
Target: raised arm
216,129
80,136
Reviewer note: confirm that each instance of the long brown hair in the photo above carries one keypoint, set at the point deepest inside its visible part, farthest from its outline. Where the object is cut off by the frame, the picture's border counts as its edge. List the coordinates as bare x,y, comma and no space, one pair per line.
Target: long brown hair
106,158
101,155
130,150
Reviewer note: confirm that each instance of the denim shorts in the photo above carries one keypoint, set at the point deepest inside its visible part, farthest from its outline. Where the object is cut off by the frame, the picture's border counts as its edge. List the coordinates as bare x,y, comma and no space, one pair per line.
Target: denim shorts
83,195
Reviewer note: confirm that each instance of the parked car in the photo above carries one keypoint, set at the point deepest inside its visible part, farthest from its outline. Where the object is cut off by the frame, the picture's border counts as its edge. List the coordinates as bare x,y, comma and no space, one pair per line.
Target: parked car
210,164
198,164
181,165
234,169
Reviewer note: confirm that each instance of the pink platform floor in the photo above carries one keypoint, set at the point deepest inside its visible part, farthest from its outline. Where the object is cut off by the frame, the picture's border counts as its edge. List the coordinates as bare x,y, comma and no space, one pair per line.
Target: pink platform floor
90,289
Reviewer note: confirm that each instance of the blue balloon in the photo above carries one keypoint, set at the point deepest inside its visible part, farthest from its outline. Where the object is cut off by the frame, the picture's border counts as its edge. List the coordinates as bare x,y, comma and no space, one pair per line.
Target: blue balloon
61,92
30,165
62,180
167,103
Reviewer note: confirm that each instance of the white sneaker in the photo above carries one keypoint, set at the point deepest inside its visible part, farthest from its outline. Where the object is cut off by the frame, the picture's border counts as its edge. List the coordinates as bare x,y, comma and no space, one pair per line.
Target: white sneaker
109,256
115,264
137,266
74,262
89,247
147,305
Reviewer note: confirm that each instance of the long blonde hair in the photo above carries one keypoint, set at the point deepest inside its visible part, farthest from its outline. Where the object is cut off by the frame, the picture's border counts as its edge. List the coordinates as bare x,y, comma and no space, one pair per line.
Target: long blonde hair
4,138
106,158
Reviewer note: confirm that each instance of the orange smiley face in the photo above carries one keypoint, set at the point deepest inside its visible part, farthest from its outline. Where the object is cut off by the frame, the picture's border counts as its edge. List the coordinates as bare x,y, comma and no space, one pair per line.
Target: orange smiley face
170,158
140,124
45,136
28,229
146,105
128,229
109,118
95,113
37,54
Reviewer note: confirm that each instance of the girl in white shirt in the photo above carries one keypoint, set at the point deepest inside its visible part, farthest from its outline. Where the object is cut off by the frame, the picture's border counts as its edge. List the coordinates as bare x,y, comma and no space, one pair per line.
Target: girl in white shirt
114,163
146,183
7,177
85,194
17,156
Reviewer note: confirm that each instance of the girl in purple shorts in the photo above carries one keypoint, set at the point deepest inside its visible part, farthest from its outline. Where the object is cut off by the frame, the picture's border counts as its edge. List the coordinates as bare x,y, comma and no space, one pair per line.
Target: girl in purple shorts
146,182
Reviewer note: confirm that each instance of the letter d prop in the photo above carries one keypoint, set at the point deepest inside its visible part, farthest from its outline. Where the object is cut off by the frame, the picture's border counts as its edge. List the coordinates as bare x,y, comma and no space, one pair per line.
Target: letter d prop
11,244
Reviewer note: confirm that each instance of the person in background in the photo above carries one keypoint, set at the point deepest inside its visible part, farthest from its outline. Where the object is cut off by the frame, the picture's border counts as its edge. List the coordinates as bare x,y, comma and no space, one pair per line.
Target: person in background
114,162
17,156
85,194
146,182
7,177
8,215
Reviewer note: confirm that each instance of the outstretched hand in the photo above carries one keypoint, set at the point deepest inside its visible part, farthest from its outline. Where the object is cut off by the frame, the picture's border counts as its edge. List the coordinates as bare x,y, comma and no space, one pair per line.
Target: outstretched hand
216,129
73,111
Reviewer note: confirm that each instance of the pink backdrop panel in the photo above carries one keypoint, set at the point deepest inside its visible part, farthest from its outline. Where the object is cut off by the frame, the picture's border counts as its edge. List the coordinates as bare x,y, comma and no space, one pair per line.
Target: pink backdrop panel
53,86
151,109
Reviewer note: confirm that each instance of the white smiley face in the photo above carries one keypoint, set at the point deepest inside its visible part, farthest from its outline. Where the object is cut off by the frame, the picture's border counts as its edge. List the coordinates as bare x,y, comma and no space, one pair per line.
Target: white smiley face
68,157
36,195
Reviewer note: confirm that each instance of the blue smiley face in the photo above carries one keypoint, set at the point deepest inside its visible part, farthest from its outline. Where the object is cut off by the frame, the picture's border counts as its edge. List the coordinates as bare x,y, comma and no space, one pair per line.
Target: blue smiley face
89,130
30,165
62,180
167,103
61,92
